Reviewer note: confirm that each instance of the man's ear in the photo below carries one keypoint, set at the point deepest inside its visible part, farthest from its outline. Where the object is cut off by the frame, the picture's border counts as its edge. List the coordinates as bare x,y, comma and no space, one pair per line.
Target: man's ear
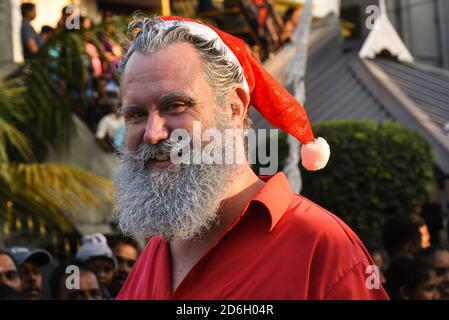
238,103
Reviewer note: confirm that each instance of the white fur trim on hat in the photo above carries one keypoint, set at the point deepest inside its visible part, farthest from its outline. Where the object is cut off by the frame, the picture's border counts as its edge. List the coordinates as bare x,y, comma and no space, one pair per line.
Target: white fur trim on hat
209,34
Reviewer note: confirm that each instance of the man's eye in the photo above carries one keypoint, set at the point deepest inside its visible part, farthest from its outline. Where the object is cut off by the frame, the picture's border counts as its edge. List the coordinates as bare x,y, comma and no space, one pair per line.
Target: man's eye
174,106
12,275
134,115
108,270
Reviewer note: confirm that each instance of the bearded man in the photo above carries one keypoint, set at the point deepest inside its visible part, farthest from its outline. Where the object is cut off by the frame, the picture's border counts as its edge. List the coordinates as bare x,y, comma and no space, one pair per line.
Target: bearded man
216,230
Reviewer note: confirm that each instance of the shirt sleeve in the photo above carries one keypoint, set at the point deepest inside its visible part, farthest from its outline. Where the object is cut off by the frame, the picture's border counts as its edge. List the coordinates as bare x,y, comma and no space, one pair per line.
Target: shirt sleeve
27,32
102,129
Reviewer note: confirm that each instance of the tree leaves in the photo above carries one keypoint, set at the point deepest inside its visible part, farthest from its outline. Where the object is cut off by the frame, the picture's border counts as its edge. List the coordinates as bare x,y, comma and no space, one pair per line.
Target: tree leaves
35,113
375,170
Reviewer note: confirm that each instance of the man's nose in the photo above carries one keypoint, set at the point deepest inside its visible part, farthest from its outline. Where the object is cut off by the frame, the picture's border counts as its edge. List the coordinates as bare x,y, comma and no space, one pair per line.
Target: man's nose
32,278
102,274
155,129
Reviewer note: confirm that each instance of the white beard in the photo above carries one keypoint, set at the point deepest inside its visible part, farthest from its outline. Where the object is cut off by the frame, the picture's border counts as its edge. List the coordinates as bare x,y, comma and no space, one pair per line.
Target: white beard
179,202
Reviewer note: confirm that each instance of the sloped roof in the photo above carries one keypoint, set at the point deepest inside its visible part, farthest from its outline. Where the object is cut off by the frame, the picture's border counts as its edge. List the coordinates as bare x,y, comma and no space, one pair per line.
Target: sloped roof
334,92
340,85
323,32
428,87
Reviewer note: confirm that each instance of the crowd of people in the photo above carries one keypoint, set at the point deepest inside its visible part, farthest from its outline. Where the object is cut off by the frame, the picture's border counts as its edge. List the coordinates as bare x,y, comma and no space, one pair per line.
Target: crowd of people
411,267
97,102
97,271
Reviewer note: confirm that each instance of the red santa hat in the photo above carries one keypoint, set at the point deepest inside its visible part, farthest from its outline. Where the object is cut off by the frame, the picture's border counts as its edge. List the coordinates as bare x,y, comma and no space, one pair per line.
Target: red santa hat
270,98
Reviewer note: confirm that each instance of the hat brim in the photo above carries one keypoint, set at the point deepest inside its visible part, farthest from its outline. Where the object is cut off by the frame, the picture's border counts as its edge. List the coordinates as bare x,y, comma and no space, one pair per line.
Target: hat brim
113,260
39,257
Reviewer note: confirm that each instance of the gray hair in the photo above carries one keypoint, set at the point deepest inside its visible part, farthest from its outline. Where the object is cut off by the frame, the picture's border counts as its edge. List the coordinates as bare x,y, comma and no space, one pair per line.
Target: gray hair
221,73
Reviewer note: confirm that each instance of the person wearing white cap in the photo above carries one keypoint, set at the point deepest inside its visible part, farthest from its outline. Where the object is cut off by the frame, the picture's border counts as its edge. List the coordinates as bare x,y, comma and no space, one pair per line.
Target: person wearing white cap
95,251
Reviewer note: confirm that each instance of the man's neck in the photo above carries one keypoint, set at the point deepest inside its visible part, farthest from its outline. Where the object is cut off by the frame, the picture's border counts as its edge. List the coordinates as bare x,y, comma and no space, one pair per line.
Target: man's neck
186,253
244,187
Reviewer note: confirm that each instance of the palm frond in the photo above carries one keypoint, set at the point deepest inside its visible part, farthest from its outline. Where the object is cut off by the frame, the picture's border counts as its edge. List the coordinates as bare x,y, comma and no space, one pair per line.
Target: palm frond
35,113
11,136
49,190
51,112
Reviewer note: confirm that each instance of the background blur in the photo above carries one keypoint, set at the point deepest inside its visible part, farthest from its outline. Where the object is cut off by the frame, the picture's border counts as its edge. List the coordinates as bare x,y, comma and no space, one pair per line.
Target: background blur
376,86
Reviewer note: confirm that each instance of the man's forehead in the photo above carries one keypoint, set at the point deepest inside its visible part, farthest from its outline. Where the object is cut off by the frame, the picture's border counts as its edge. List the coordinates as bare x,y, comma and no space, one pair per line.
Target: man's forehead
6,263
172,70
88,280
125,249
171,60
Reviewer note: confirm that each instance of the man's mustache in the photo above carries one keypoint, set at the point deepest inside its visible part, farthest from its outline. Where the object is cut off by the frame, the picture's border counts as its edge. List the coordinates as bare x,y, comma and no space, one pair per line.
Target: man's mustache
32,288
148,152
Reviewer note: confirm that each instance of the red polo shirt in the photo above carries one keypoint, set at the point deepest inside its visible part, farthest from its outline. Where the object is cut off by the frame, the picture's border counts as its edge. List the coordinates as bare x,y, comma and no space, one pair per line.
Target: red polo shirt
282,246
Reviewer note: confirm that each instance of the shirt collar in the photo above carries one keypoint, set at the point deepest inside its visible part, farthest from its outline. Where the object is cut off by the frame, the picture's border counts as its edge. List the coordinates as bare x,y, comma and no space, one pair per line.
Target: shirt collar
276,195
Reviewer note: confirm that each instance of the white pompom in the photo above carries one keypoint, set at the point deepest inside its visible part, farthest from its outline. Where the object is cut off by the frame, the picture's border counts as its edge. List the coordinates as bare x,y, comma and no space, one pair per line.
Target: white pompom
315,154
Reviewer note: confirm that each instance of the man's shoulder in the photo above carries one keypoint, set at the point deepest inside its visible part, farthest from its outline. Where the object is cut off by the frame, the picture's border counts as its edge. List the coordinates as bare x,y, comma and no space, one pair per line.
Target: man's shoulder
27,28
334,252
303,212
323,230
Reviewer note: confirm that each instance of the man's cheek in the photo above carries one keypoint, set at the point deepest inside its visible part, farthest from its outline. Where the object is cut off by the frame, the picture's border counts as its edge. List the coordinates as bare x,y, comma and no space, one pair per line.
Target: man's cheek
182,121
39,281
134,136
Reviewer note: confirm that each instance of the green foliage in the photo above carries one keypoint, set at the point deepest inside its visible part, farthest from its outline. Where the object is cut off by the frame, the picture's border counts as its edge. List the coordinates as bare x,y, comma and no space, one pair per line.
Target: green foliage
375,170
36,114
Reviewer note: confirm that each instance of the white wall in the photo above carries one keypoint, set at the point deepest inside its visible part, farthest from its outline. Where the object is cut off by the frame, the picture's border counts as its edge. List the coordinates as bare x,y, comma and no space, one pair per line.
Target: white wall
418,28
323,7
48,12
10,23
320,7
